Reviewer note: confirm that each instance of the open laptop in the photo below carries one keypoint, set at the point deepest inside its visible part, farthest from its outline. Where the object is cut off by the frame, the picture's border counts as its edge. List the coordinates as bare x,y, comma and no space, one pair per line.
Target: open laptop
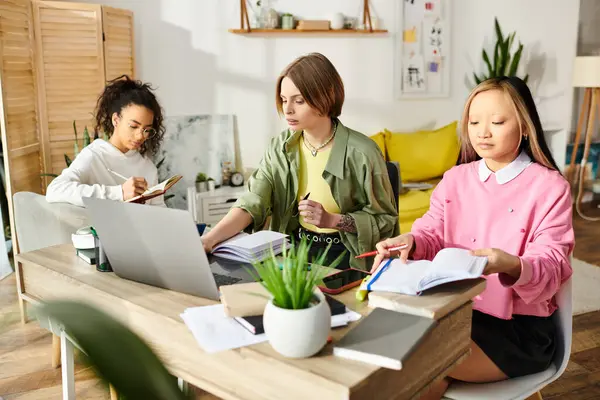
161,247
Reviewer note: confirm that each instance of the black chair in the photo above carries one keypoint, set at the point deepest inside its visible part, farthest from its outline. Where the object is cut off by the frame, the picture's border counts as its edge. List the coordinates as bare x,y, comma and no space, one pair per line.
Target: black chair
393,169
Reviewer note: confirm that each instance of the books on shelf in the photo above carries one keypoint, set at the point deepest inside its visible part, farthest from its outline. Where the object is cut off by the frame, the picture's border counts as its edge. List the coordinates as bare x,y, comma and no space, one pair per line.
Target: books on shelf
156,190
414,277
253,247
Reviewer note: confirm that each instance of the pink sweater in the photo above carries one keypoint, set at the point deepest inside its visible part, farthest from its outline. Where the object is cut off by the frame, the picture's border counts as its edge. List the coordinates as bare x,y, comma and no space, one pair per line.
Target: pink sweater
528,216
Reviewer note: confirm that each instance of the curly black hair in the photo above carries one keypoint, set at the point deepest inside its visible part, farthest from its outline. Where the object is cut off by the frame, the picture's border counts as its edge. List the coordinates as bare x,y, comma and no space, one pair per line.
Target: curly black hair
120,93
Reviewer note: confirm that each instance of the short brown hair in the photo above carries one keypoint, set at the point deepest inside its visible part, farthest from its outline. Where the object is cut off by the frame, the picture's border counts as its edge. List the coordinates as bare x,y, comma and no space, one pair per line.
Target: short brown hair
318,82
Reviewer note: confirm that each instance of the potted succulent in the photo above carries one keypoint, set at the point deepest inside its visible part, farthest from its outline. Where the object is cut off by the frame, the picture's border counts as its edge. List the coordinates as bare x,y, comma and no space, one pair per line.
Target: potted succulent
297,317
201,185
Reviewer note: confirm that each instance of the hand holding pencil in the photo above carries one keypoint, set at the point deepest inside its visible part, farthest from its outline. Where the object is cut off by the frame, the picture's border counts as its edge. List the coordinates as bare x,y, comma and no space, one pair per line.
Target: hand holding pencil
132,187
400,245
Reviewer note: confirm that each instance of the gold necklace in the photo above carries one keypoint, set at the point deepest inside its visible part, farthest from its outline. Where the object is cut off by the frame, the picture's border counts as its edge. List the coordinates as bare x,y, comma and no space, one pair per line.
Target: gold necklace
314,150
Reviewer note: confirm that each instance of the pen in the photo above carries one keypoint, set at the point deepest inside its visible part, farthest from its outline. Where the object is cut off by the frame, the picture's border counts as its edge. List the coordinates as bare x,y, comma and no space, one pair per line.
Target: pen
378,274
306,197
117,174
374,253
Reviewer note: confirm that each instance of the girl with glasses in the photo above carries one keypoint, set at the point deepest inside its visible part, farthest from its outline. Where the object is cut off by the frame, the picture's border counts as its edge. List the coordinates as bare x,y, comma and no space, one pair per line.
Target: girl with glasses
120,168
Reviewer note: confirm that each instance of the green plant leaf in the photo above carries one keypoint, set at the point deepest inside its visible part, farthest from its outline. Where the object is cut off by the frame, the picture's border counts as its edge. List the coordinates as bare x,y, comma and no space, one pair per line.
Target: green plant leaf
497,61
499,36
487,61
511,39
160,163
86,137
287,277
505,56
51,175
515,62
116,353
67,160
476,78
526,78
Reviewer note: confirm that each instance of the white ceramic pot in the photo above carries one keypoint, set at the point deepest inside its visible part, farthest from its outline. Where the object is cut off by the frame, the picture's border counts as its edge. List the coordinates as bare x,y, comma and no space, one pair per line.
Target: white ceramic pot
201,187
337,21
298,333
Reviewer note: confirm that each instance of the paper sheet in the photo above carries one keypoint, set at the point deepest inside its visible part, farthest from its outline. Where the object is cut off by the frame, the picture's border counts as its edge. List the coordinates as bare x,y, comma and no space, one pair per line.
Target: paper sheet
214,331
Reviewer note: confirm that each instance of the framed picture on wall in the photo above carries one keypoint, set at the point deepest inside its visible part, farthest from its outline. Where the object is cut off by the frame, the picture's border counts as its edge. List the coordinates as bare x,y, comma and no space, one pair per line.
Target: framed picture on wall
422,49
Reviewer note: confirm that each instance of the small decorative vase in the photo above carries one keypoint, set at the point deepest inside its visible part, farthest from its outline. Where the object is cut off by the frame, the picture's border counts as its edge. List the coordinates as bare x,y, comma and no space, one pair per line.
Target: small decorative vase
287,21
337,21
298,333
211,186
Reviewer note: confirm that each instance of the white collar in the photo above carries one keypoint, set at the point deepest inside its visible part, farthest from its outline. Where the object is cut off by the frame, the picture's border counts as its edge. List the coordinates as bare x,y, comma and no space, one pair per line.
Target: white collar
508,173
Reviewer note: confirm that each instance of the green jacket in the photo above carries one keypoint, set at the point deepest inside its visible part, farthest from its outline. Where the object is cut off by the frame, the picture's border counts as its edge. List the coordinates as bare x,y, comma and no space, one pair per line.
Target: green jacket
359,182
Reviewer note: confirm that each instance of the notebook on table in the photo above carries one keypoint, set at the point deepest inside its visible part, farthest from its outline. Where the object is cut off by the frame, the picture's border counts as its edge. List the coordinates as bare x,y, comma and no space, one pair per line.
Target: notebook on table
384,338
253,247
414,277
156,190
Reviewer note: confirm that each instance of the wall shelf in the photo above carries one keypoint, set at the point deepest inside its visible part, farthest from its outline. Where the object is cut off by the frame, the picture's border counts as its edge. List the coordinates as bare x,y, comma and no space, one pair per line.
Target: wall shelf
245,28
299,32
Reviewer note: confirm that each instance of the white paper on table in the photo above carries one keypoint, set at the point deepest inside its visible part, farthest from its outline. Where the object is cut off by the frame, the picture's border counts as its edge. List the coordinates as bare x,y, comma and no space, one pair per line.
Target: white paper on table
214,331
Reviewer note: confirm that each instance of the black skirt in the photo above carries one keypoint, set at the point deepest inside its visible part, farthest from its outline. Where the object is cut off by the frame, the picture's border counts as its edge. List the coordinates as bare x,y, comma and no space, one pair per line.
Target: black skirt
520,346
319,243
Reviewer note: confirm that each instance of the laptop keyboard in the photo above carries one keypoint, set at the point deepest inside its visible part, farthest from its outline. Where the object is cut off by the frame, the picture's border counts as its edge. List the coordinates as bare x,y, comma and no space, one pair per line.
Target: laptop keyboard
223,280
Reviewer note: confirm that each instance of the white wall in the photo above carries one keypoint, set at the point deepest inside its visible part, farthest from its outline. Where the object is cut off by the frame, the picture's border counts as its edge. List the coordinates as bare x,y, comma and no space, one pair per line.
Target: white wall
588,43
183,47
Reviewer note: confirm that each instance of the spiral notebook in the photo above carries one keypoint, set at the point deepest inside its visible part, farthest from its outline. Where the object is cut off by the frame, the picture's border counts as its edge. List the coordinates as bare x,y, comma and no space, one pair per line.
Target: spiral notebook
414,277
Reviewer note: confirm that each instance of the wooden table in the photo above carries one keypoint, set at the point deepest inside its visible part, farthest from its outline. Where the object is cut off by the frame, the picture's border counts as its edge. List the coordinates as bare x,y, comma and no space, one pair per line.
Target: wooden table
254,372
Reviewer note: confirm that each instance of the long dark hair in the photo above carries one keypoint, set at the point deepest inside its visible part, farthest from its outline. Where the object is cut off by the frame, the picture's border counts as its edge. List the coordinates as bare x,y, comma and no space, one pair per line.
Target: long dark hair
120,93
533,141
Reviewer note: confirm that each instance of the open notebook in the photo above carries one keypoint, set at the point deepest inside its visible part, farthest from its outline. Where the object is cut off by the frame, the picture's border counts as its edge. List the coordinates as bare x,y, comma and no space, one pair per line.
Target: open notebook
253,247
449,265
156,190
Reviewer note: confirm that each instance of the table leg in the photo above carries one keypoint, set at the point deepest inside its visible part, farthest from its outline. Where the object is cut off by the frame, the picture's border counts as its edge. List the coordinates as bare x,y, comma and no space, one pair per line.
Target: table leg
183,386
20,291
55,351
68,371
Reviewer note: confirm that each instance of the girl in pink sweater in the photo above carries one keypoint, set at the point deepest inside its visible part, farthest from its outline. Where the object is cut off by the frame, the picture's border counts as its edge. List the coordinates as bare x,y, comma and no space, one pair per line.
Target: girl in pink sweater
506,201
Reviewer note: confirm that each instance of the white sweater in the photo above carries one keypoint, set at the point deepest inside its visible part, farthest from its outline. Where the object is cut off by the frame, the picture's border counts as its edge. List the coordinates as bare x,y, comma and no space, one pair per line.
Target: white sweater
88,176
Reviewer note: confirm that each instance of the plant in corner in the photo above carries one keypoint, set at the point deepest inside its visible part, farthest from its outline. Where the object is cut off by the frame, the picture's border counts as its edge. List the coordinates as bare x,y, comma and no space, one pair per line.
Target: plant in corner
503,62
297,318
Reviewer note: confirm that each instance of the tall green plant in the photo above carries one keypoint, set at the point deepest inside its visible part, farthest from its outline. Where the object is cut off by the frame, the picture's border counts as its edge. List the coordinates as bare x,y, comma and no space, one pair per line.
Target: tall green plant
504,63
289,279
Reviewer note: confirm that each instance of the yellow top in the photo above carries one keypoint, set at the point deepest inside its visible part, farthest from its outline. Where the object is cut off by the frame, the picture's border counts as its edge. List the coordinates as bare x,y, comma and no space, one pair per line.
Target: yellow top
310,180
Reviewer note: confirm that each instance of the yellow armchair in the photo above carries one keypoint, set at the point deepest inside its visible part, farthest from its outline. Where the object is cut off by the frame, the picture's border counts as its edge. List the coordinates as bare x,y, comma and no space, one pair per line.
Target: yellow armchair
423,156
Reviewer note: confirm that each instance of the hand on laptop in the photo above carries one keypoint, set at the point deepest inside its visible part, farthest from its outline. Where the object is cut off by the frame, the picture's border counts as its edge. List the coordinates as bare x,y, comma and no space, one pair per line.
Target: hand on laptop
134,186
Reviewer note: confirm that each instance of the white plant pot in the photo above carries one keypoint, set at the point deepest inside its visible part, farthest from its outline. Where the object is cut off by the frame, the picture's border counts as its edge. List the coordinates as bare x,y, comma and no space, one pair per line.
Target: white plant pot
298,333
201,187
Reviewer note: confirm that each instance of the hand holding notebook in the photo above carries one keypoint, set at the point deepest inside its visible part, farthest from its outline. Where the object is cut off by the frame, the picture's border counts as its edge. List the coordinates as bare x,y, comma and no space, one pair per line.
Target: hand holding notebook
155,190
449,265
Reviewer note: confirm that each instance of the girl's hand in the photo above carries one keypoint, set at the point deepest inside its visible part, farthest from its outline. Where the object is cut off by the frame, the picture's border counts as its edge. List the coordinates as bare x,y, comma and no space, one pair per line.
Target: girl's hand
383,252
314,213
134,186
499,261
